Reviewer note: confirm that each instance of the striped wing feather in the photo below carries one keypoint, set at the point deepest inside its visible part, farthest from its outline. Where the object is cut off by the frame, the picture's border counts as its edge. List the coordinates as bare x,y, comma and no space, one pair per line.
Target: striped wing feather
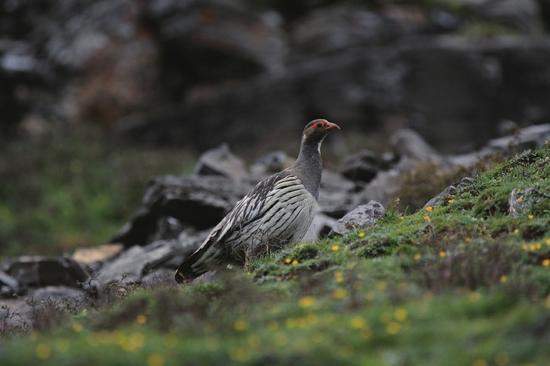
264,214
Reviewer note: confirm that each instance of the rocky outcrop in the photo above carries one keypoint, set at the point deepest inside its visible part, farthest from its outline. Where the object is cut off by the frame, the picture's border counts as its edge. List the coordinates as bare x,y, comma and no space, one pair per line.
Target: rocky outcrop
360,217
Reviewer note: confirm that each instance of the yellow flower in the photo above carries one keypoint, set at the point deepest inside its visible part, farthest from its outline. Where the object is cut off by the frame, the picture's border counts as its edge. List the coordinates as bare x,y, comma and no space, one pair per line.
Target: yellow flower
503,279
502,359
133,342
381,285
335,247
307,302
295,262
288,260
155,360
442,254
427,219
520,199
240,325
43,351
361,234
400,314
340,294
451,201
429,209
141,319
474,296
480,362
546,262
77,327
339,276
358,323
547,242
417,257
530,216
392,328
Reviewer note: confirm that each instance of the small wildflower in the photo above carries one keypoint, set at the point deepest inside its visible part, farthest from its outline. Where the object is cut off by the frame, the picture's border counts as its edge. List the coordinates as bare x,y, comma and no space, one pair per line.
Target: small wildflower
530,216
520,199
307,302
340,294
450,201
525,247
427,219
429,209
43,351
535,247
474,296
468,240
334,248
503,279
400,314
295,262
546,262
480,362
361,234
76,327
339,276
516,231
392,328
155,360
141,319
442,254
417,257
288,260
381,285
240,325
548,242
358,323
502,359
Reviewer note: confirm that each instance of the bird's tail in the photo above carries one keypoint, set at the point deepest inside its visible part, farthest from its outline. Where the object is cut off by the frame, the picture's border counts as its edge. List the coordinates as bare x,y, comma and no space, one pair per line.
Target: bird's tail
205,258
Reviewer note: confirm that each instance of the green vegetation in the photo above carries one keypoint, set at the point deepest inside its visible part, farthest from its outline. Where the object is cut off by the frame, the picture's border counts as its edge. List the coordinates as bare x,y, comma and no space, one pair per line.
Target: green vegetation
459,284
68,191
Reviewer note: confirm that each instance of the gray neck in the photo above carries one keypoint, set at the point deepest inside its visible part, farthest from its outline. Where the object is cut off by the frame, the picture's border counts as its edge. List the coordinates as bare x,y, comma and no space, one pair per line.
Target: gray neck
309,166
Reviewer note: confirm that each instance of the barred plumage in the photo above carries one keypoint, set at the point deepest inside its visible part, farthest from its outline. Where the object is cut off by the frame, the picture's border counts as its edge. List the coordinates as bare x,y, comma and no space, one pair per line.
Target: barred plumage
277,212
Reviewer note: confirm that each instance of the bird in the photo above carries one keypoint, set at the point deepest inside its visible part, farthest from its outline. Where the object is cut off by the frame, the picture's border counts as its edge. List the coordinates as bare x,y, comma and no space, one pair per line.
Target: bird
276,213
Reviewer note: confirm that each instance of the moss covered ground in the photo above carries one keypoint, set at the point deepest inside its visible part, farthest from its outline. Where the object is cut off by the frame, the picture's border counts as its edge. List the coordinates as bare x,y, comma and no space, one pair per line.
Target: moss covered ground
464,283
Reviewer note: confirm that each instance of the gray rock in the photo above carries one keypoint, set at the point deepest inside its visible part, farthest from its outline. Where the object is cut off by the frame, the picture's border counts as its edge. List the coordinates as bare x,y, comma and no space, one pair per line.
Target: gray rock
65,297
134,263
451,190
271,163
410,144
8,285
221,162
362,166
336,196
527,138
361,217
521,201
47,271
198,202
321,227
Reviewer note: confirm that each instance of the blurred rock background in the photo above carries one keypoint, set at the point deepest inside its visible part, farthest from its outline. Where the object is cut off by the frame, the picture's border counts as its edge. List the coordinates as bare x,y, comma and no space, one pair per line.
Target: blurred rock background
96,97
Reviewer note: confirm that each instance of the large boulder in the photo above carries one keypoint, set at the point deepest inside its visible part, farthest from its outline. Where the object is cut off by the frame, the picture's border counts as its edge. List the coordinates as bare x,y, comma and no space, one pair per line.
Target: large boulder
46,271
221,162
198,202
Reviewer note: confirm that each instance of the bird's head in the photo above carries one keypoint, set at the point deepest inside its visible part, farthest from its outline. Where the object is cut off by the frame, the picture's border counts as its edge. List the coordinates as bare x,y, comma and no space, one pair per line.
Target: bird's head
318,129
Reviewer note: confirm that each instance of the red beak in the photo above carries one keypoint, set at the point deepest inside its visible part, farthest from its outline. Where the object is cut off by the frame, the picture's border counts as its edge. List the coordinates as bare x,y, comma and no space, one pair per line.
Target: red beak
332,126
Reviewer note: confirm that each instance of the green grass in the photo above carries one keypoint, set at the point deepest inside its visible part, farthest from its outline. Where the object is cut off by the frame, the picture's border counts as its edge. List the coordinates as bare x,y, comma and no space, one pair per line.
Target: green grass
459,284
69,191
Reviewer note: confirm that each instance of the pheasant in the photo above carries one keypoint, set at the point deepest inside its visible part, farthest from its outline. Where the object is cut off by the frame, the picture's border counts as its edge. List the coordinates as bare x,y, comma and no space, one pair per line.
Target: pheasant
276,213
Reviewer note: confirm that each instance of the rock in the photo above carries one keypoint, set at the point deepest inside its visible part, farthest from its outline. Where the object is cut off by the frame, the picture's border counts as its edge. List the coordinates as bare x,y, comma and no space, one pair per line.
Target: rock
522,201
221,162
362,166
46,271
523,15
360,217
336,196
198,202
271,163
448,192
409,143
100,253
336,28
131,265
8,285
321,227
66,298
159,278
527,138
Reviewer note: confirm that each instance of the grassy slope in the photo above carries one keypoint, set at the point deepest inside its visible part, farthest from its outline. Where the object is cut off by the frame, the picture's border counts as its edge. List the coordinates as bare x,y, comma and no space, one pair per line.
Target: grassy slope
462,284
